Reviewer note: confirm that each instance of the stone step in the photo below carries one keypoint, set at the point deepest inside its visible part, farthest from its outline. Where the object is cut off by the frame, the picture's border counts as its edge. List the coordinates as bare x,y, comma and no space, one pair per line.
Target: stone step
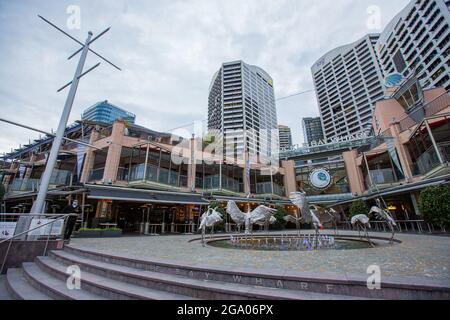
338,284
19,287
4,292
203,289
107,287
52,286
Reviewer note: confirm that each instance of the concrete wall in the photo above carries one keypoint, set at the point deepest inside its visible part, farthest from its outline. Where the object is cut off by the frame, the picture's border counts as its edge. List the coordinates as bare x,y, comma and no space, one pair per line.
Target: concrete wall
25,251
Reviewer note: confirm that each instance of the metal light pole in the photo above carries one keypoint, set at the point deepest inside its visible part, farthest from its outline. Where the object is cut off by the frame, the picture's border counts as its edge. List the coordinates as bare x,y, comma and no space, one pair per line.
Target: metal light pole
38,205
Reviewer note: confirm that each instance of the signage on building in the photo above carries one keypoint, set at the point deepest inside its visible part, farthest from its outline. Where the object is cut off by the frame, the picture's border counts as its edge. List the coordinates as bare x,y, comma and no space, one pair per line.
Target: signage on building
320,63
320,178
350,137
7,229
393,80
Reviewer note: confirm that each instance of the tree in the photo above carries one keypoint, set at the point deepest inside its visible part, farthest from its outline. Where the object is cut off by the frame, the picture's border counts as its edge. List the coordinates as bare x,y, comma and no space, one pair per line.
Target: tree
359,207
434,204
279,215
216,206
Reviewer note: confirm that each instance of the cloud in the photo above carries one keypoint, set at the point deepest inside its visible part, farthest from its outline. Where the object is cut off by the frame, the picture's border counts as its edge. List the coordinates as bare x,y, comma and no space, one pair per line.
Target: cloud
169,51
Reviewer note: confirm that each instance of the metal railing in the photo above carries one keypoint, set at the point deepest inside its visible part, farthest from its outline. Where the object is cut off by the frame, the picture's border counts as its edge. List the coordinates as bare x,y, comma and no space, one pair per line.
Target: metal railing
429,109
96,174
429,160
414,226
174,228
47,233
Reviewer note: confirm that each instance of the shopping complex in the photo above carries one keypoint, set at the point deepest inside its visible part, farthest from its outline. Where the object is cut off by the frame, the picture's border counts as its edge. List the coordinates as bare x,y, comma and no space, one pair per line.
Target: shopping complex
384,111
129,178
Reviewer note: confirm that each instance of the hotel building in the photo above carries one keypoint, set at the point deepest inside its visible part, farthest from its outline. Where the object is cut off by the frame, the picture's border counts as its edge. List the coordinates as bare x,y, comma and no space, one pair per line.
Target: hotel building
241,109
417,41
348,81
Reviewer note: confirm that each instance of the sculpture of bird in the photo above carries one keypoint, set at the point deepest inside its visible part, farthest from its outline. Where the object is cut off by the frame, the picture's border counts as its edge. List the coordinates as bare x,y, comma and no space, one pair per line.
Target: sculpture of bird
309,213
261,214
334,217
361,221
208,220
266,224
381,214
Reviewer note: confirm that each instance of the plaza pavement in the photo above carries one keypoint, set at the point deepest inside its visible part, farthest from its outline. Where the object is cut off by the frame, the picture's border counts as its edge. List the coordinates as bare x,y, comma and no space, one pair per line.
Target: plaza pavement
423,256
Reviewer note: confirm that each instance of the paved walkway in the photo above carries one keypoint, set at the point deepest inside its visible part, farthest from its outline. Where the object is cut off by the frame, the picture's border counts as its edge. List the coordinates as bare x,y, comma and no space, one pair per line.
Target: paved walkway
417,255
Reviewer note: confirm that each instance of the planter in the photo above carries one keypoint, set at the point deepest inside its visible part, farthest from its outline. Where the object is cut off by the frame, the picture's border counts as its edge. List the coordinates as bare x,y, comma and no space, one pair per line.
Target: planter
98,234
111,233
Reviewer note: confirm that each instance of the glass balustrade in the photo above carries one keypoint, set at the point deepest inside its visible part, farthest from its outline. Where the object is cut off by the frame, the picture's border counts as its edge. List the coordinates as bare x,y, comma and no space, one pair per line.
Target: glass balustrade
96,174
152,174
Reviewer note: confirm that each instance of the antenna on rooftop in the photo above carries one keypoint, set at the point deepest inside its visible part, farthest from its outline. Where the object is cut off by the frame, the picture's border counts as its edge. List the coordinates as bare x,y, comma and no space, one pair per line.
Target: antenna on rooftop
38,206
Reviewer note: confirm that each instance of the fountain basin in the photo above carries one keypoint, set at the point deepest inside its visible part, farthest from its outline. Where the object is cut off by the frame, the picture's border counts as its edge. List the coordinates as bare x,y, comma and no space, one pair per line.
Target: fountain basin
289,243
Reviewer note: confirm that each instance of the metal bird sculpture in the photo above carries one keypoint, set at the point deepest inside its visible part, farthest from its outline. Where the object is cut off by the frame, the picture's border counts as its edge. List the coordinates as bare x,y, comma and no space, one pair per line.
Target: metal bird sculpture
261,214
296,220
381,214
309,213
266,223
208,220
334,217
362,222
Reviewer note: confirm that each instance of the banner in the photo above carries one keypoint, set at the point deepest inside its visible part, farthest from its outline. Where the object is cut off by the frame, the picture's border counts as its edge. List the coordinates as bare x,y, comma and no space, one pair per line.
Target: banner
54,229
393,153
22,170
7,229
247,172
81,150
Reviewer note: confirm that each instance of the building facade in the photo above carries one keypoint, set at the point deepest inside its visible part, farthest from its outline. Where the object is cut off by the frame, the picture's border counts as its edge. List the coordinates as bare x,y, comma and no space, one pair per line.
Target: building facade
241,108
285,136
417,41
136,177
410,153
348,81
312,130
105,112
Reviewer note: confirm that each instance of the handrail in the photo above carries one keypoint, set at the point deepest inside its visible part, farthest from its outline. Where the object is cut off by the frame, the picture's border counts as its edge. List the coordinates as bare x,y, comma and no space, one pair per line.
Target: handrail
28,231
424,107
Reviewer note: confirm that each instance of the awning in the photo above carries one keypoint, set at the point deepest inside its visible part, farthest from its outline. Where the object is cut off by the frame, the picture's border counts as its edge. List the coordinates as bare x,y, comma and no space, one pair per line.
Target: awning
251,200
147,196
402,189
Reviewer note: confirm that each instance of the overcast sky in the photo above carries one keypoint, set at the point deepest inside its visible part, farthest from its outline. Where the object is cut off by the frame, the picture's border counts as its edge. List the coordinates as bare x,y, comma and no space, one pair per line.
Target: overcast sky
169,51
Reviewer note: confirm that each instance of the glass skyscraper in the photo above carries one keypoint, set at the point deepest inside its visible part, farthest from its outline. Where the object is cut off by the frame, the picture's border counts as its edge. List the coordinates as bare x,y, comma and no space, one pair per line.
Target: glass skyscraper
105,112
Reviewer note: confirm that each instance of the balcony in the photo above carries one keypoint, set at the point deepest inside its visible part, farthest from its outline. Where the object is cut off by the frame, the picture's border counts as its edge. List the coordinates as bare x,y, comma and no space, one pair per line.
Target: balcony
380,177
96,174
266,188
157,176
212,183
24,185
58,178
429,160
